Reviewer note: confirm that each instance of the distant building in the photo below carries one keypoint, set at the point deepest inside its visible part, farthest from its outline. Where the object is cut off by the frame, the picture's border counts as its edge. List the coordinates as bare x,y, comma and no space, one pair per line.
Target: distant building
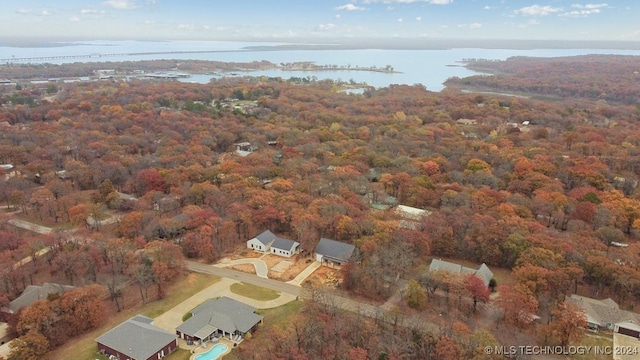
411,217
33,293
466,122
483,272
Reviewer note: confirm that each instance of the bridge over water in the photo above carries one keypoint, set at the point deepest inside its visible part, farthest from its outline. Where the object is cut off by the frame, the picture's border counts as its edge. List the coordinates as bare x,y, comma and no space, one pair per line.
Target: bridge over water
95,56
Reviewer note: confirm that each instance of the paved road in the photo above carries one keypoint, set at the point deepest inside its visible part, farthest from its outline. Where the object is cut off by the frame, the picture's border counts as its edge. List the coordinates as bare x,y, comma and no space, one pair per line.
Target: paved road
340,302
244,277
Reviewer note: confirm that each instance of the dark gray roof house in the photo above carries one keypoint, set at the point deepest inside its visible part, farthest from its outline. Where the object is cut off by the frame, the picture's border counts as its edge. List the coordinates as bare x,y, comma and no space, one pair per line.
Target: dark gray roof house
33,293
333,251
137,339
483,273
219,317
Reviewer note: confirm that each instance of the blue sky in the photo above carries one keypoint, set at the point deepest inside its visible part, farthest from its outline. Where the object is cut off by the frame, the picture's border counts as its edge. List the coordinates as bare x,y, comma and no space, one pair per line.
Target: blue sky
284,20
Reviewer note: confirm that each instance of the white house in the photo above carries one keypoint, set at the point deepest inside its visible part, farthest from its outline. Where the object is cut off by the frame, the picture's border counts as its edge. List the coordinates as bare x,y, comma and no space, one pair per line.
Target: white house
284,247
262,242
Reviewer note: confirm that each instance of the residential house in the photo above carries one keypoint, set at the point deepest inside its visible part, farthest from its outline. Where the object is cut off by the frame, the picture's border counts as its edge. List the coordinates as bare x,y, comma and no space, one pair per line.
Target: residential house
269,242
467,122
603,314
262,241
222,317
331,252
137,339
284,247
626,337
483,272
33,293
245,148
411,217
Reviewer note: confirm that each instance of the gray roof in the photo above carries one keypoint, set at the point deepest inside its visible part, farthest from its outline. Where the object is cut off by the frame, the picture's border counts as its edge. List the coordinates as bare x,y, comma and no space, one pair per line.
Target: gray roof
266,237
284,244
226,314
33,293
605,312
483,273
137,338
335,250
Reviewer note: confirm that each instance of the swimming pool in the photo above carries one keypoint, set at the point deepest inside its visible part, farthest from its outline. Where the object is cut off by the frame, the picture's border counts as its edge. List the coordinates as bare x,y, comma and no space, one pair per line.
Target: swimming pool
213,353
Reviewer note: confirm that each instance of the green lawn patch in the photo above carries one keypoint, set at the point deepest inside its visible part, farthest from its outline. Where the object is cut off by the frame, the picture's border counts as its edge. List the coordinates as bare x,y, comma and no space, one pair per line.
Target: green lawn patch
179,354
254,292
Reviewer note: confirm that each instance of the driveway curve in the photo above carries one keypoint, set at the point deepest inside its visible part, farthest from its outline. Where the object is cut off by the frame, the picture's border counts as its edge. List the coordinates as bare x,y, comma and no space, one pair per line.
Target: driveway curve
258,264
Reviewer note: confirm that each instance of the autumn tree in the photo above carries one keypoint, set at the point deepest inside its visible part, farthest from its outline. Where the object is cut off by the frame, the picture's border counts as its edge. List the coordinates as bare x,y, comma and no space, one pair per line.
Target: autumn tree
567,325
31,346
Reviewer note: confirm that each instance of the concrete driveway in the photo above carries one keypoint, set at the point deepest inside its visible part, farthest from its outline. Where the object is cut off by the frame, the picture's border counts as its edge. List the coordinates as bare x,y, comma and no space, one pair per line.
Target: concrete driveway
173,317
258,264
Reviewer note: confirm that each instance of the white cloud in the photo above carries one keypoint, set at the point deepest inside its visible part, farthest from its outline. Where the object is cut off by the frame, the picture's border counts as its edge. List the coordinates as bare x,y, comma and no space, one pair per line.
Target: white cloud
580,13
434,2
400,20
590,6
470,26
32,12
349,7
337,16
186,27
121,4
149,22
325,27
91,11
74,19
537,10
584,10
487,7
418,18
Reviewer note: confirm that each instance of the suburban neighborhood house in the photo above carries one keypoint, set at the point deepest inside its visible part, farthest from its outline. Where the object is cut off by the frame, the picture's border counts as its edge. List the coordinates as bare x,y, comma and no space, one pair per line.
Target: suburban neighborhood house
330,252
222,317
483,273
33,293
411,217
269,242
603,314
626,335
137,339
284,247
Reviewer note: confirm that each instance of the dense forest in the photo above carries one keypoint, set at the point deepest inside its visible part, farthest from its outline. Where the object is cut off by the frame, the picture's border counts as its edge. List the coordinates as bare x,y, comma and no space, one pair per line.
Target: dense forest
542,191
595,77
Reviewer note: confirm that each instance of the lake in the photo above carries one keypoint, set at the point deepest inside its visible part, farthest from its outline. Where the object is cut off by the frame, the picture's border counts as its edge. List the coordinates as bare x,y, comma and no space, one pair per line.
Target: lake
429,67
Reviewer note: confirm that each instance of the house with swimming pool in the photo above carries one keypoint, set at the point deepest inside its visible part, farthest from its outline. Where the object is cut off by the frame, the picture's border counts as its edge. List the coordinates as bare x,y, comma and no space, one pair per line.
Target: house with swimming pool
222,317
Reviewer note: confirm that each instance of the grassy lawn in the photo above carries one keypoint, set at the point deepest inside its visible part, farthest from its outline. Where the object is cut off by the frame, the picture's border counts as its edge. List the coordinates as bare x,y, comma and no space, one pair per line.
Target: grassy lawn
254,292
85,348
601,340
272,317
